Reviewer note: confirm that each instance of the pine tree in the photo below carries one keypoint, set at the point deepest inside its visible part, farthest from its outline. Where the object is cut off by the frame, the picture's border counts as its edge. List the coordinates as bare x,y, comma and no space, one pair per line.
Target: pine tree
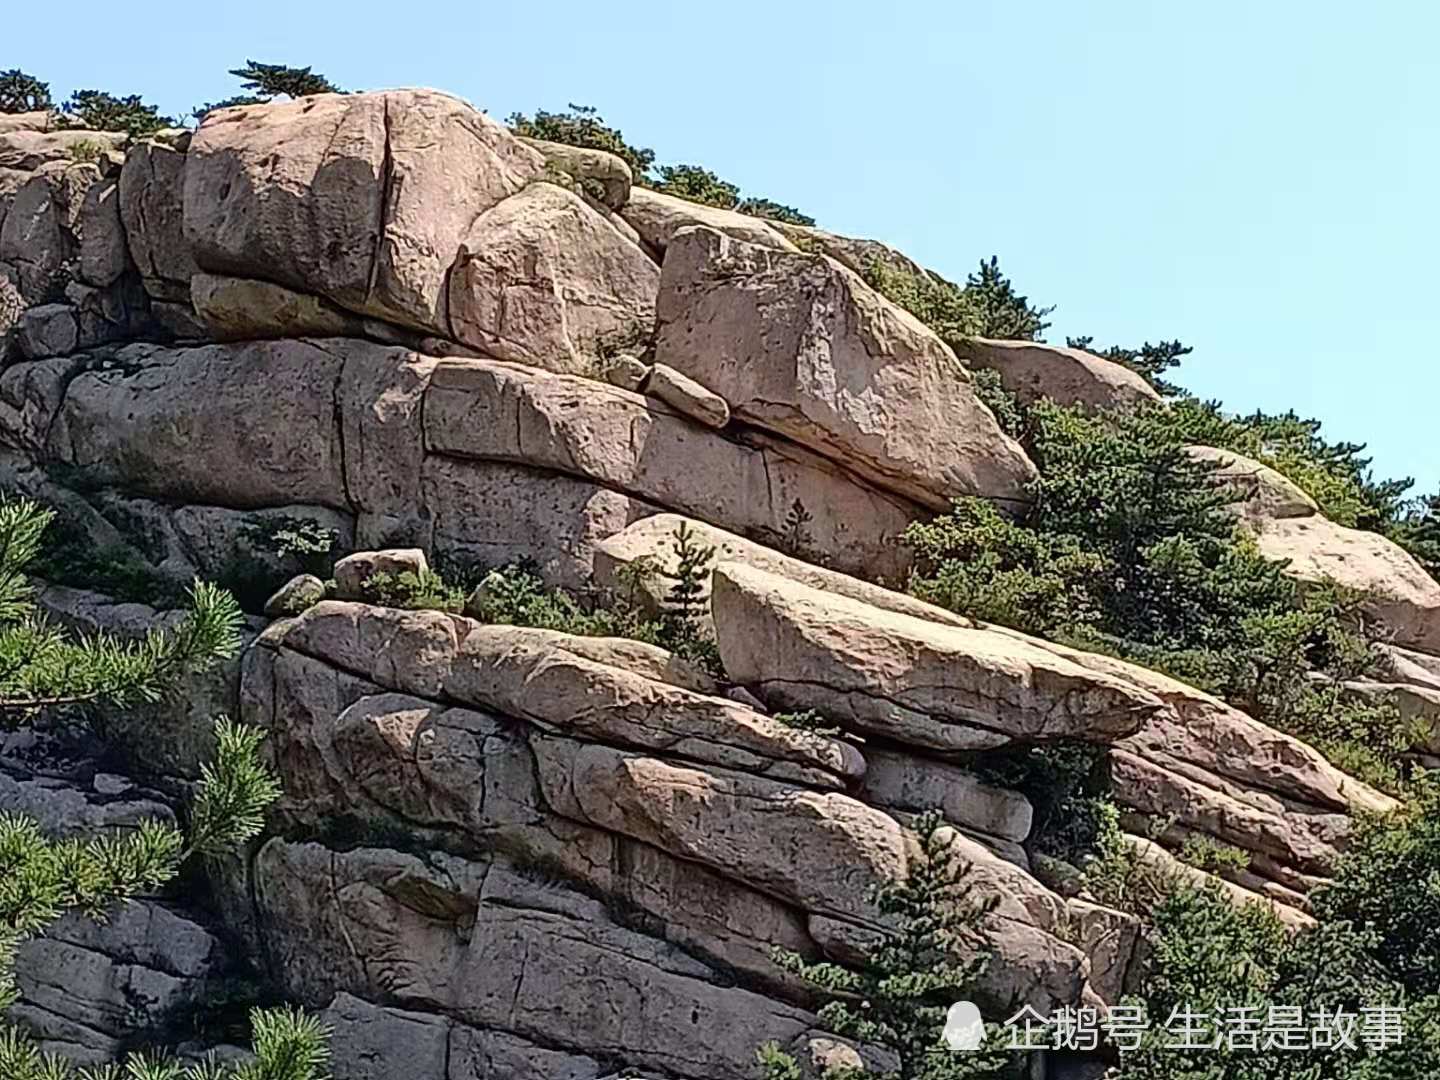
99,111
42,878
698,185
899,996
276,80
21,92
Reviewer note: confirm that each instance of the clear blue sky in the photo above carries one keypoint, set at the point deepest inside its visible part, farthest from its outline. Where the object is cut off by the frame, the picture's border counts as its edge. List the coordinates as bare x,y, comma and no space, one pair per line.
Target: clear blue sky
1257,179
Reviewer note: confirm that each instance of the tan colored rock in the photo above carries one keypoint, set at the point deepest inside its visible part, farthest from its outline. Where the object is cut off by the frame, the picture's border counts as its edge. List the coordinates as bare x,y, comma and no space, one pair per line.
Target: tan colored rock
1416,703
38,120
639,657
627,372
658,217
1266,495
353,571
1201,737
1109,939
1398,592
235,425
152,186
653,535
800,345
543,279
536,677
29,149
1166,871
1308,842
906,679
601,175
821,850
407,651
622,442
509,960
685,395
242,308
364,199
1032,370
857,254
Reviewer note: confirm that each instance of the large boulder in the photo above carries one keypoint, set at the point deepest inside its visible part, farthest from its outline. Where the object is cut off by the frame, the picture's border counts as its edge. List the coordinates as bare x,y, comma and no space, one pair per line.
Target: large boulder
600,175
906,679
800,345
1398,592
1262,494
543,279
364,199
1287,525
1032,370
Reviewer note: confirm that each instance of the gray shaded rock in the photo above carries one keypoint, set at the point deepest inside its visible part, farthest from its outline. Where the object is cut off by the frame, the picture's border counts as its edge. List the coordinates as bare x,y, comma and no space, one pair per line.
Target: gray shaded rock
151,206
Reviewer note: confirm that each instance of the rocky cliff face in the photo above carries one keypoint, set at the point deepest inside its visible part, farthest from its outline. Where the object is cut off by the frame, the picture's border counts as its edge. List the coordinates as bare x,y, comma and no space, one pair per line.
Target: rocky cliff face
508,852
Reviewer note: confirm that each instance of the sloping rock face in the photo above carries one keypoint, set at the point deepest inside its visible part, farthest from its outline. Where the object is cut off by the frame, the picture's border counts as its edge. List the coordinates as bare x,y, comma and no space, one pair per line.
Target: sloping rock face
801,346
1288,525
1032,370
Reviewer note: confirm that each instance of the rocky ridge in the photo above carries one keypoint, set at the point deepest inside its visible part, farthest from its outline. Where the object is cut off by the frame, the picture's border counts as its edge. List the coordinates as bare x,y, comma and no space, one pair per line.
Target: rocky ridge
512,852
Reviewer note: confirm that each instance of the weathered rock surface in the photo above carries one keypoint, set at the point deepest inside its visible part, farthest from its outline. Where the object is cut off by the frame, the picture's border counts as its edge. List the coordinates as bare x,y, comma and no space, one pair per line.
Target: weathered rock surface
27,149
543,279
905,679
801,346
600,174
1265,495
501,413
685,395
652,536
658,217
1398,591
152,186
1032,370
353,572
364,199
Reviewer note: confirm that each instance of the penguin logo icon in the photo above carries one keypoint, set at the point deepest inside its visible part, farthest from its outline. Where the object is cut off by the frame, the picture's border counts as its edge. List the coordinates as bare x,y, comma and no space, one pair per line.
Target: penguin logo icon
964,1028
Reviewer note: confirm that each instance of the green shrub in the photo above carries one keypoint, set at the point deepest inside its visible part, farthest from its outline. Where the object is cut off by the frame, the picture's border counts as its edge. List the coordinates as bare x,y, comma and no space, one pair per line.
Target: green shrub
698,185
22,92
988,305
773,211
99,111
898,996
583,126
422,591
